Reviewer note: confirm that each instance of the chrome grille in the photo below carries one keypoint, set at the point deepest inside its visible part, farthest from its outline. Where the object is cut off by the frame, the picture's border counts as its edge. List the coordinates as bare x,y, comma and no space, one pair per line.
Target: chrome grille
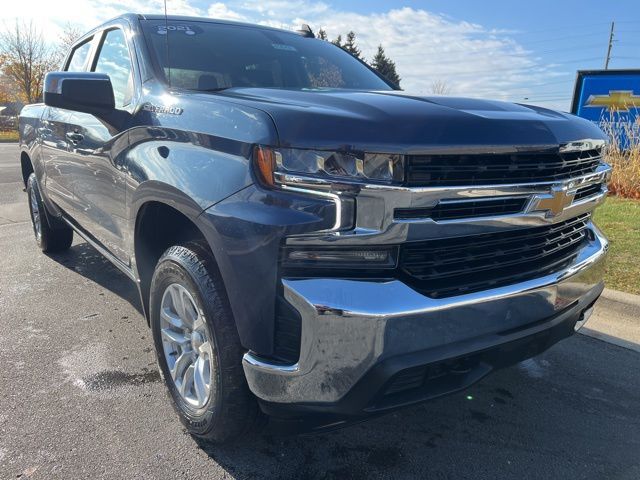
586,192
465,209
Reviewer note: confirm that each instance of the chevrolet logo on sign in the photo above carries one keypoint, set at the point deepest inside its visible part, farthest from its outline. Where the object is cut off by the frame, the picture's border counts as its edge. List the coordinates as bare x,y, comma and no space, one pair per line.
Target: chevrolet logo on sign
553,203
617,100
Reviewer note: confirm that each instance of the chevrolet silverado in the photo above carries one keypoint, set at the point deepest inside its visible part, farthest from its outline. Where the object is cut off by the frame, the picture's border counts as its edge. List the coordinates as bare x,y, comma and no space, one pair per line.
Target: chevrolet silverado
310,244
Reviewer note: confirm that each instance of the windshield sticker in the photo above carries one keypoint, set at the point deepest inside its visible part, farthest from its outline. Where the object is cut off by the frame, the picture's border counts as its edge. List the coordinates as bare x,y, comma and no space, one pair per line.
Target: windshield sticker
282,46
186,29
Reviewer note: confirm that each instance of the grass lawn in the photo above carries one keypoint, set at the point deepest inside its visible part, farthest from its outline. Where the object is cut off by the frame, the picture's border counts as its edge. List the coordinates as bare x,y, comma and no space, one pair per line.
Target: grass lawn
619,219
10,136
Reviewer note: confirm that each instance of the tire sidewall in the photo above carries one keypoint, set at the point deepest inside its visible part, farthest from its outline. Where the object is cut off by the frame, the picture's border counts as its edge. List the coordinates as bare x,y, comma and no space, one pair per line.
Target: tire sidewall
171,269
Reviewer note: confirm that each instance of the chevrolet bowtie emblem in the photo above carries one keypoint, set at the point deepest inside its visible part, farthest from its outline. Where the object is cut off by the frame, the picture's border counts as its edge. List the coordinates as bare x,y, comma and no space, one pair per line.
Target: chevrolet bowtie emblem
618,100
555,202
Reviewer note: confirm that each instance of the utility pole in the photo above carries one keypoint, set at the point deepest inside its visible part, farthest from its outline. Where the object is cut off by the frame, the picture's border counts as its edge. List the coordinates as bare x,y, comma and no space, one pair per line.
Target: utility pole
606,62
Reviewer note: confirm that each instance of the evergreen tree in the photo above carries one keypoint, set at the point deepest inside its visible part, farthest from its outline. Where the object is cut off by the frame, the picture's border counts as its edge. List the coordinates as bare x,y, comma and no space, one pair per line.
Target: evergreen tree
385,66
322,35
351,47
338,41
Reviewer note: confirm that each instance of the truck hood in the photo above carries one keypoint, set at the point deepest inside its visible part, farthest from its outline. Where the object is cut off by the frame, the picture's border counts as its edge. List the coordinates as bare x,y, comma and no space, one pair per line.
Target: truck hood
400,122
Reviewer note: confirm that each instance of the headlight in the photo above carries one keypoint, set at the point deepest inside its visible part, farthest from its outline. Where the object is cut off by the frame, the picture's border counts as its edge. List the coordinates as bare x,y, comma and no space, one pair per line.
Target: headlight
294,166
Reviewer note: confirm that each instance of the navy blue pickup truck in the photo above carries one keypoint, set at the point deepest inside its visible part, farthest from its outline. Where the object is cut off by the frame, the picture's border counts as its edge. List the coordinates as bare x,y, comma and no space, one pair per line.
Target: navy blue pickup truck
311,245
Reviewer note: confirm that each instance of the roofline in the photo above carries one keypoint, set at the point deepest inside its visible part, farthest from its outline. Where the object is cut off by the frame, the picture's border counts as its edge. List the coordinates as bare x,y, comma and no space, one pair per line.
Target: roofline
133,18
129,17
183,18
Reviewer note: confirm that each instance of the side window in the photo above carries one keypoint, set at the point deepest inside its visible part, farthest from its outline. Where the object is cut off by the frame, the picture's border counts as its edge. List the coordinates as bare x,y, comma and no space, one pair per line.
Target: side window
113,60
79,57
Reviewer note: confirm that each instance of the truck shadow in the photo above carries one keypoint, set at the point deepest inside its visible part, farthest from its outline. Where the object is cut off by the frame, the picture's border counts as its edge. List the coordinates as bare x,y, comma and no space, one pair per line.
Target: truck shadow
571,412
557,415
85,260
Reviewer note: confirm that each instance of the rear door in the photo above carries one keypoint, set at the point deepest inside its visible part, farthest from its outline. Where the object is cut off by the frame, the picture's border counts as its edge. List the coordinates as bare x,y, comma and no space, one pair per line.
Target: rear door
58,170
98,149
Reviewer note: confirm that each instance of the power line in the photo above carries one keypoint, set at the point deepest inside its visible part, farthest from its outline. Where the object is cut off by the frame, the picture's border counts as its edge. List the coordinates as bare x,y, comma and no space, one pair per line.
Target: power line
548,95
529,89
506,43
520,94
555,29
555,99
568,37
628,21
505,54
525,69
528,86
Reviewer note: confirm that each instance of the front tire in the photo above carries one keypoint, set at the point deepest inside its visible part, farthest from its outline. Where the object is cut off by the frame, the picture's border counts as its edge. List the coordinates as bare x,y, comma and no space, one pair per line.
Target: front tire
49,239
197,344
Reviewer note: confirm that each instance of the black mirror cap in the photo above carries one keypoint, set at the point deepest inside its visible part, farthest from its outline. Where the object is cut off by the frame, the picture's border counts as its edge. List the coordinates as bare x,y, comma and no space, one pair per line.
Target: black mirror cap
86,92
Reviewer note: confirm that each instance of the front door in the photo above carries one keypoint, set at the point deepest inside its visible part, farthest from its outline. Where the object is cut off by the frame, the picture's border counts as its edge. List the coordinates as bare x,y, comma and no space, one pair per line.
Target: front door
97,151
54,151
59,171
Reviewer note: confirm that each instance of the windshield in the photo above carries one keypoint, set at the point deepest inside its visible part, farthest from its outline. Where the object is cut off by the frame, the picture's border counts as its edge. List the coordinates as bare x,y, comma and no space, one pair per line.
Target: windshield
212,56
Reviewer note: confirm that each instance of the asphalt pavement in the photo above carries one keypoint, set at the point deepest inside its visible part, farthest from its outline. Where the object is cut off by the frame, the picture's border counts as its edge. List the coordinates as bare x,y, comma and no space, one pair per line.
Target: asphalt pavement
80,396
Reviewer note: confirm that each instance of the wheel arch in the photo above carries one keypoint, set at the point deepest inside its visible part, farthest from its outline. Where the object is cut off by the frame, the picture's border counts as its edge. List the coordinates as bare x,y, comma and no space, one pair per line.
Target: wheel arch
158,226
26,166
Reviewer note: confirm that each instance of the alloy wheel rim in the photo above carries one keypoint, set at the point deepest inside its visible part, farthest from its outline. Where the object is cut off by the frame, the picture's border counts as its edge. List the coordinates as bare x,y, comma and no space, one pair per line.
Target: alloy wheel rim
188,350
35,213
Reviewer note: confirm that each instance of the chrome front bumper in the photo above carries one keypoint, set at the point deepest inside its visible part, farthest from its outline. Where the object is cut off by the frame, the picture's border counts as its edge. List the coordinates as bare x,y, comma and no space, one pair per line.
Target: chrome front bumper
350,326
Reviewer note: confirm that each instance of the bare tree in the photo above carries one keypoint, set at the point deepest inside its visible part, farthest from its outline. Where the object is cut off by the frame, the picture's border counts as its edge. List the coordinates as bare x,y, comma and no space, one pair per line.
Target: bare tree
440,87
25,58
7,90
68,37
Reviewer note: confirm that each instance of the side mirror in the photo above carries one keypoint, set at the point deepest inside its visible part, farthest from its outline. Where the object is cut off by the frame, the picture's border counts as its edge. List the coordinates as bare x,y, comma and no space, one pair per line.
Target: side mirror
86,92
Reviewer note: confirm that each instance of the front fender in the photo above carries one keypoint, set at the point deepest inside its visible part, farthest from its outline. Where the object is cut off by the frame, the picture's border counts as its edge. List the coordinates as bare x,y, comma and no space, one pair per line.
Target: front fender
202,167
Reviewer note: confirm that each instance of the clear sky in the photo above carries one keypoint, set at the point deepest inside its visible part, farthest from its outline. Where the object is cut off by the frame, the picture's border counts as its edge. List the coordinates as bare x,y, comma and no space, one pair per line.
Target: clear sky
507,49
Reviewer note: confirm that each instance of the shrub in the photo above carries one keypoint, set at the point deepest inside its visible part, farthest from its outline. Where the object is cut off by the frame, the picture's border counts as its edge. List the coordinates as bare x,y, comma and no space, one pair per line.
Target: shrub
623,154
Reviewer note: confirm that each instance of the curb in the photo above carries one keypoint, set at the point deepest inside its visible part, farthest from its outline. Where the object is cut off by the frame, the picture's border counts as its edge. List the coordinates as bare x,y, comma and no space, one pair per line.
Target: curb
622,297
603,337
616,320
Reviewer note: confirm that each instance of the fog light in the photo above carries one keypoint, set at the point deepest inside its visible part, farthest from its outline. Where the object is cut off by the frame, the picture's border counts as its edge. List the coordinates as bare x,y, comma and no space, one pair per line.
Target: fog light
340,258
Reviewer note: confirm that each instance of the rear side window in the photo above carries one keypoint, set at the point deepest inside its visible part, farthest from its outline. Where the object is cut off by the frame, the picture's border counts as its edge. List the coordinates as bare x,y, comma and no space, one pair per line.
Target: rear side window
79,57
114,60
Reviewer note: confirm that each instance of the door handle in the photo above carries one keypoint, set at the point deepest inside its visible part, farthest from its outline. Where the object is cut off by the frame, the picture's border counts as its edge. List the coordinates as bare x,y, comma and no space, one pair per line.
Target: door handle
75,137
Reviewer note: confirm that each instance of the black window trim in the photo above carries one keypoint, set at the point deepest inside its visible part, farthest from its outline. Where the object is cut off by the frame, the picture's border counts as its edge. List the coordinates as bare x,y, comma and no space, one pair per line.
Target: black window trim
95,54
90,39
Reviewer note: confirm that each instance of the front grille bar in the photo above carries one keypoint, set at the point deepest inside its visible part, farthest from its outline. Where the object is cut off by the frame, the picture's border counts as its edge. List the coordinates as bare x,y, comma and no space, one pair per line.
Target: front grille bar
460,265
488,169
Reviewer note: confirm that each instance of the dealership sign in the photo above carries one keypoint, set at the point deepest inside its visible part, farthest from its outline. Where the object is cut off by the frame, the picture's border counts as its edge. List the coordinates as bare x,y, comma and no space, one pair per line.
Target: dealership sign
611,97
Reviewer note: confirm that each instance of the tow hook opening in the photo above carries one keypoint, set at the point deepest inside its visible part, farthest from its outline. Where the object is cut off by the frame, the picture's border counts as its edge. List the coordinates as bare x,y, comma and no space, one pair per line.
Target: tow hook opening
586,314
